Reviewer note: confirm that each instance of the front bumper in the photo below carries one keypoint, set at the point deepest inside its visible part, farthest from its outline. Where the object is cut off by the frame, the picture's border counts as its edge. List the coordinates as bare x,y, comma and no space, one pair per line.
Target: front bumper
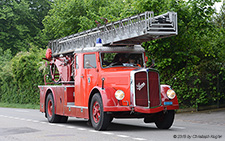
139,109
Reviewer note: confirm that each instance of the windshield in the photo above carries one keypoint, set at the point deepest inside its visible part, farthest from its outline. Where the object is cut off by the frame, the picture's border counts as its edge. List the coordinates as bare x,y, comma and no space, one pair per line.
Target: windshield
121,59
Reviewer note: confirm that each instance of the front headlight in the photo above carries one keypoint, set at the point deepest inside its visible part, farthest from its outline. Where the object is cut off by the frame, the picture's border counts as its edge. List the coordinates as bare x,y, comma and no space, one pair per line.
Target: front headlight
119,94
170,94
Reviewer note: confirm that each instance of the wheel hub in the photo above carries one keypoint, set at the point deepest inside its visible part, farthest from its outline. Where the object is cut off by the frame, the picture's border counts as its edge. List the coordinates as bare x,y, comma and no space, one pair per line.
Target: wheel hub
96,112
50,108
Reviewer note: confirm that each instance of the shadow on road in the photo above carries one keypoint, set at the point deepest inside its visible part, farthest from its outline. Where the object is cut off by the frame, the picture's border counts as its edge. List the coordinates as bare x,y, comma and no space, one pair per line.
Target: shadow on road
115,126
128,127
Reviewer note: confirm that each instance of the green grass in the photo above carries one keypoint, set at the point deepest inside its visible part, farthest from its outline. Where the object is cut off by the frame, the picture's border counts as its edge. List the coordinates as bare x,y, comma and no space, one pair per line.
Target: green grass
23,106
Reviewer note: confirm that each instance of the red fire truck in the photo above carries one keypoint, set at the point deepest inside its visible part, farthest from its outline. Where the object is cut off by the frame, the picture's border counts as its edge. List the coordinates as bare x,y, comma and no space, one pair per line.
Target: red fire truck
101,74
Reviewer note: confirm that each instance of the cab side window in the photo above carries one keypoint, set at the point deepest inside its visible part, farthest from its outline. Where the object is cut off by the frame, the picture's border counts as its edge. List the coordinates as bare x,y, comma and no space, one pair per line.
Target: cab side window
89,61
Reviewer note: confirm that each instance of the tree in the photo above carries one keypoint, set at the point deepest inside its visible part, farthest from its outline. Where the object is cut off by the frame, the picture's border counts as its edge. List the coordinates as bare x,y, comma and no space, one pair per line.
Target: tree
71,16
20,22
63,18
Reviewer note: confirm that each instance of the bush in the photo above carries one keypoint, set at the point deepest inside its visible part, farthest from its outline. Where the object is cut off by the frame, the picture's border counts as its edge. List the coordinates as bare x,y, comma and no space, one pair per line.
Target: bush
21,77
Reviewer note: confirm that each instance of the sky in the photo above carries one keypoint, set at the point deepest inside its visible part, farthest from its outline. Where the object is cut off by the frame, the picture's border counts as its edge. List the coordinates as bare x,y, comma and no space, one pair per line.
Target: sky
218,5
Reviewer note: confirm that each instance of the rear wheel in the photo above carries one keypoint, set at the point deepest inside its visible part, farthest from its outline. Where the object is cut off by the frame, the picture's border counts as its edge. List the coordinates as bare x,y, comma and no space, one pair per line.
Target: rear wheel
99,119
165,120
50,110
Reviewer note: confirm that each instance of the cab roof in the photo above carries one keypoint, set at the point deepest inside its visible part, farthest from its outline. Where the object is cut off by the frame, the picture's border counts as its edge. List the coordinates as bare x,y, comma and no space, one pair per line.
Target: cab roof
130,49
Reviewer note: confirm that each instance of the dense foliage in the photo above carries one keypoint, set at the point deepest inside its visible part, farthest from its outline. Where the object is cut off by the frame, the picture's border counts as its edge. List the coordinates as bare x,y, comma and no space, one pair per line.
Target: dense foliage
196,56
21,75
21,23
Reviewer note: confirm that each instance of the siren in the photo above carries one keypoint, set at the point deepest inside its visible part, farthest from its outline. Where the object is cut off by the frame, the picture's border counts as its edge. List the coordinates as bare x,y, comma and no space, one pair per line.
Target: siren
98,42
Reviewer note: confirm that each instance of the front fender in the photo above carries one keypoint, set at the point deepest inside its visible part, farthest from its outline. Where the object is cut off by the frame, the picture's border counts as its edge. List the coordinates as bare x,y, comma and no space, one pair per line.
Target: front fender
164,98
108,96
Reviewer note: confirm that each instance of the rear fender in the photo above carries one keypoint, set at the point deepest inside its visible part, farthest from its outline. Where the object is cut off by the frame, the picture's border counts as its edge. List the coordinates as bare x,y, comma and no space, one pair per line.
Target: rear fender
48,91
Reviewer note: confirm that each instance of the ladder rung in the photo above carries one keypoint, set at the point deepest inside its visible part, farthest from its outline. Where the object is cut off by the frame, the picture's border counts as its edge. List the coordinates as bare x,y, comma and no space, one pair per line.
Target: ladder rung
155,28
162,25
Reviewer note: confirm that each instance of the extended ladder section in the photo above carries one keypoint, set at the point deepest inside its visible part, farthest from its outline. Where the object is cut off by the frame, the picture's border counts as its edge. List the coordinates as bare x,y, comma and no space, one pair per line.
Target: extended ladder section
129,31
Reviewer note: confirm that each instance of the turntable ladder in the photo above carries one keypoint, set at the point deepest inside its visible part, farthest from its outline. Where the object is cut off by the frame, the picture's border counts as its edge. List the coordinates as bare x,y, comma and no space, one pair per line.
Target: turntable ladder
130,31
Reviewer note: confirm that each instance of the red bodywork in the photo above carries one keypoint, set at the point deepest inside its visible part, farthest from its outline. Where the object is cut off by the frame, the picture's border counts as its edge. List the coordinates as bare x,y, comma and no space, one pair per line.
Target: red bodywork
78,84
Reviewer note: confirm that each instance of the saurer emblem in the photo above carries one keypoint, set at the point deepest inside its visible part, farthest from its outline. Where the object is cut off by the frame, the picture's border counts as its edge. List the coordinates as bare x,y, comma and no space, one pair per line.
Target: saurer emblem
140,86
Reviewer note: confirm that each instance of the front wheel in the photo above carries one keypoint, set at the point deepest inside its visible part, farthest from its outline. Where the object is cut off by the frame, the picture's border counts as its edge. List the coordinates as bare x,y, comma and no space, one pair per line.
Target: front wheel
165,120
99,119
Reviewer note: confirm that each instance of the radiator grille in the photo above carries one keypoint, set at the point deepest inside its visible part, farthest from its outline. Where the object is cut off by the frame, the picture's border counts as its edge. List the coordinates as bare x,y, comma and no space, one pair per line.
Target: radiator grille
147,89
141,92
154,93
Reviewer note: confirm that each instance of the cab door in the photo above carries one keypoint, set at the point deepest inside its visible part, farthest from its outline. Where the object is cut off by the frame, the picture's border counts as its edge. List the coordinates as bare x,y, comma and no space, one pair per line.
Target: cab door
90,74
79,87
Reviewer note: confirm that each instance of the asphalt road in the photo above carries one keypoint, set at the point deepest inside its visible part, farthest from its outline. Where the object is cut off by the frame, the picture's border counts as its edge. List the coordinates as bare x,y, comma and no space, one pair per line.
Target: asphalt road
27,124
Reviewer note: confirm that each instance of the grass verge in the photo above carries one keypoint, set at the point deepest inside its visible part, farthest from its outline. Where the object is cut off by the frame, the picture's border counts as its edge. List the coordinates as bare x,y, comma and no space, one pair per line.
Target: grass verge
23,106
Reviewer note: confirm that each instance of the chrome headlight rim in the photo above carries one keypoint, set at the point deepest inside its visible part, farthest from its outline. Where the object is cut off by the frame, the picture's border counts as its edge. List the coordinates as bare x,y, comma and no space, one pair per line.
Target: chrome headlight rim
171,94
119,94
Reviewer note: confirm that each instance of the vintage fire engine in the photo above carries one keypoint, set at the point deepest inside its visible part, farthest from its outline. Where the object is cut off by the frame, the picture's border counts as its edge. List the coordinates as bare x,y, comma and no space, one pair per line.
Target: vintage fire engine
101,74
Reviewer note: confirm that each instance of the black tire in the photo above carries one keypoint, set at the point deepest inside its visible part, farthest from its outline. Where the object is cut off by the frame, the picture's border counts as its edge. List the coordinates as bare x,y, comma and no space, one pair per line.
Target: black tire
165,120
50,110
100,120
111,119
64,119
149,119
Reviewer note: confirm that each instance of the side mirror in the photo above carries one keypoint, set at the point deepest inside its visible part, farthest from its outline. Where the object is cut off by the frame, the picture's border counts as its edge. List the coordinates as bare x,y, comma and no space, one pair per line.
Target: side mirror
153,63
88,65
